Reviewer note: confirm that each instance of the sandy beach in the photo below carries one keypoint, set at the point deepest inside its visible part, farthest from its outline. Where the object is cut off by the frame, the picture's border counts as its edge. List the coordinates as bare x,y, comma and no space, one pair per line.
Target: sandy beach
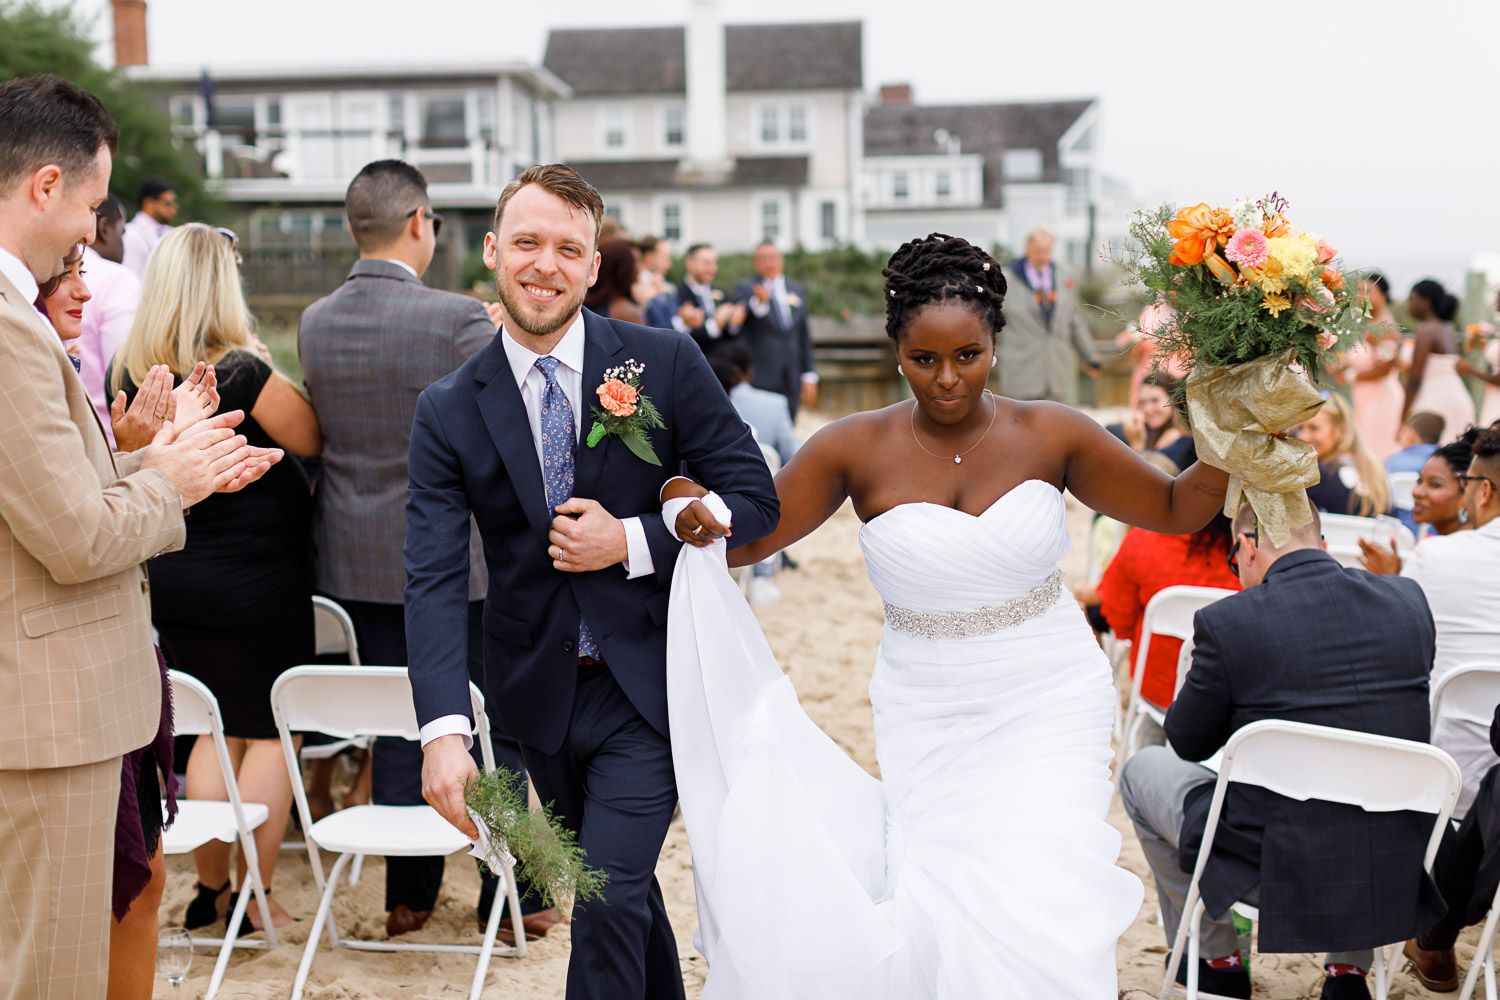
824,632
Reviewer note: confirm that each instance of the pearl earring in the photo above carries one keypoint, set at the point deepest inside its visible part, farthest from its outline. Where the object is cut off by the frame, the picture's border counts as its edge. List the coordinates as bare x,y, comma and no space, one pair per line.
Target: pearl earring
994,361
900,370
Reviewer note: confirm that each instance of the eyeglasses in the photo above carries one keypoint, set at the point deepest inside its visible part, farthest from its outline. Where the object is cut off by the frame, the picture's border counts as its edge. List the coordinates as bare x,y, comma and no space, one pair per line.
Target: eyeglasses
1234,552
427,213
1467,479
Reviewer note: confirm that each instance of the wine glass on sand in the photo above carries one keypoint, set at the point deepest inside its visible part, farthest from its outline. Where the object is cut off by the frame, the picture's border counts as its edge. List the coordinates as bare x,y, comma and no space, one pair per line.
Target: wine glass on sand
174,954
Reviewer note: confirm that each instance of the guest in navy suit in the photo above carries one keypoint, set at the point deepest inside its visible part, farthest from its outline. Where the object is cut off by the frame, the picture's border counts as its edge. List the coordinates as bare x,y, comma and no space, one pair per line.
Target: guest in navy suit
775,328
698,308
580,565
1306,641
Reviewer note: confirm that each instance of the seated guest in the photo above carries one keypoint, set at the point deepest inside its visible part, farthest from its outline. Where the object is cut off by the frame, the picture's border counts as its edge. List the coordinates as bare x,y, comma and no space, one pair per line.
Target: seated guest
1437,501
1418,439
1352,480
1154,423
1307,641
1147,563
1460,574
613,292
1468,872
766,412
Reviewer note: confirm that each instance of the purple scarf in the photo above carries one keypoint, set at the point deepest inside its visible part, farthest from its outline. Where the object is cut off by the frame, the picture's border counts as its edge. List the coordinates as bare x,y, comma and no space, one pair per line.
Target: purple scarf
132,860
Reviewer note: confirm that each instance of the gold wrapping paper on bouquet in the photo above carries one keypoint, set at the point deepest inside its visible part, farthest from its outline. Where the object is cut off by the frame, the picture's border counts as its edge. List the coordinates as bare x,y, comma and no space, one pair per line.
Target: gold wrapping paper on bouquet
1236,413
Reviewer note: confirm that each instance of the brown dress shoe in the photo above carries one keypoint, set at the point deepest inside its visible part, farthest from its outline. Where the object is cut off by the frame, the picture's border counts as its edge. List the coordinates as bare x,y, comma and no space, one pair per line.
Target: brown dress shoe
403,920
535,924
1436,970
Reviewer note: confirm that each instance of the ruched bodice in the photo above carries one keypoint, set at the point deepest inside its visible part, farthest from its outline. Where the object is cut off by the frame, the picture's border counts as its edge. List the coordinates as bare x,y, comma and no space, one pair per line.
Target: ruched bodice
981,864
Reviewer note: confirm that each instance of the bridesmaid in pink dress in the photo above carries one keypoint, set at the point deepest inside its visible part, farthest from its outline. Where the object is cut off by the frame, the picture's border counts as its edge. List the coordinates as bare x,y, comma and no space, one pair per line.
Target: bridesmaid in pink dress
1489,412
1145,349
1372,371
1434,384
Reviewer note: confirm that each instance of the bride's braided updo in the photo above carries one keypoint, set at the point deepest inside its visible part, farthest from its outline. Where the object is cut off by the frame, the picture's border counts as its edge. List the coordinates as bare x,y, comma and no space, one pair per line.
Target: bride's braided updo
942,268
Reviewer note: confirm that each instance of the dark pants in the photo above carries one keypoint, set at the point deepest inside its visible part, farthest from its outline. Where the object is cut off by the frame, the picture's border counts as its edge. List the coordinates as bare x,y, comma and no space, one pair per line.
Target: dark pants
397,776
612,783
1467,868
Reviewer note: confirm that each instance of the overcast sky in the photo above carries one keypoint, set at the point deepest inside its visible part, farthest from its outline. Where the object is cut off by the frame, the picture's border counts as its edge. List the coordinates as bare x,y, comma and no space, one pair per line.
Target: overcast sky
1376,119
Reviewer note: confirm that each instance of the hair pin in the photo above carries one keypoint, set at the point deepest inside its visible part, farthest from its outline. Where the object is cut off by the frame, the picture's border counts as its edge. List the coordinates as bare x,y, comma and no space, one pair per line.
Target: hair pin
986,265
979,289
893,293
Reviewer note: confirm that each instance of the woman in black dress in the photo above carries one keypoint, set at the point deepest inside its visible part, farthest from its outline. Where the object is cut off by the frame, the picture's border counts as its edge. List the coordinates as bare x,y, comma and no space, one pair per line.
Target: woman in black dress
234,606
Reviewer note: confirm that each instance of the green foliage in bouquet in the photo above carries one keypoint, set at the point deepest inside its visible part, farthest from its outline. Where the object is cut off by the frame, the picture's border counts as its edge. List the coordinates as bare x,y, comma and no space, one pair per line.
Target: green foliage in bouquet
1242,284
546,852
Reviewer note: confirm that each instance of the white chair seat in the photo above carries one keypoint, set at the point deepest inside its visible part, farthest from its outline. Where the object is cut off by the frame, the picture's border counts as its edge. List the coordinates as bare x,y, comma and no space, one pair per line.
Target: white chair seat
201,820
403,831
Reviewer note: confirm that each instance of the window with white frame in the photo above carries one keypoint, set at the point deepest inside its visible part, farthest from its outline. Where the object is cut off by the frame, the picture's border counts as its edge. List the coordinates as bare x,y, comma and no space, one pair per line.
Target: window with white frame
942,185
770,124
770,220
1021,164
900,185
673,127
445,121
614,134
484,107
614,212
796,123
671,221
397,112
829,215
183,110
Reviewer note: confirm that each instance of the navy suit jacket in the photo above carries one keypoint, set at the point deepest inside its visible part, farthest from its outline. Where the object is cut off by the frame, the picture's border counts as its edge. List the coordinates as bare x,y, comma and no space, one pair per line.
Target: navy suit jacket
1329,646
782,354
472,452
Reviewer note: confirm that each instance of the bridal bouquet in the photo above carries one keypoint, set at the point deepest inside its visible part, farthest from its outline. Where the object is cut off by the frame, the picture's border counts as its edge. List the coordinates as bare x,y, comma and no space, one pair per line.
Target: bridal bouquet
1257,304
511,833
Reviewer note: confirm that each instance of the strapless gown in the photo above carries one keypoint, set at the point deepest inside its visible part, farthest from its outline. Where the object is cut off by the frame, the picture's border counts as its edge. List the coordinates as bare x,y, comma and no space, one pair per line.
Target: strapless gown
981,864
1444,392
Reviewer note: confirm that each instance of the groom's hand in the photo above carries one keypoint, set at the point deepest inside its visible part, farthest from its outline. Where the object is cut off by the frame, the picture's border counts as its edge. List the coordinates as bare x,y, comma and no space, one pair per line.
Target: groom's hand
586,537
446,770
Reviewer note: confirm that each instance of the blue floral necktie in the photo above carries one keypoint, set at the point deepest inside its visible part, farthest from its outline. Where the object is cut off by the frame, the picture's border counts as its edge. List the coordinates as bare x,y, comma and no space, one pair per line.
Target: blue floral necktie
559,437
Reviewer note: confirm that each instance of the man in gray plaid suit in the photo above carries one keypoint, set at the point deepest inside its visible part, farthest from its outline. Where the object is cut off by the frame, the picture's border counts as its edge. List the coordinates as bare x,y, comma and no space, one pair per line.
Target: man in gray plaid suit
367,351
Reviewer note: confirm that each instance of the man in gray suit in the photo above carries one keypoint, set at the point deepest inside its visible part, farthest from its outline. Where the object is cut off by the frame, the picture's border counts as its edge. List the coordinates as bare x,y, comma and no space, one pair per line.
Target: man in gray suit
776,331
1043,328
368,350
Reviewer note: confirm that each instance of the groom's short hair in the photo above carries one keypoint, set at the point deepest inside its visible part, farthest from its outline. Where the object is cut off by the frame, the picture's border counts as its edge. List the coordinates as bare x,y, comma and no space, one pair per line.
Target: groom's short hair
560,180
46,120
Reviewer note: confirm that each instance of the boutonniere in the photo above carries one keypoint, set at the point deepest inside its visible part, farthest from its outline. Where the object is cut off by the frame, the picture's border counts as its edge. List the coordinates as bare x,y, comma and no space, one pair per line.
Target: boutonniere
794,300
625,411
718,295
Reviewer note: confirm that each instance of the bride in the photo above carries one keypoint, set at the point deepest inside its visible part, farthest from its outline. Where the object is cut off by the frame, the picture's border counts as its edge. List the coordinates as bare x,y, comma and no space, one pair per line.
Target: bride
980,864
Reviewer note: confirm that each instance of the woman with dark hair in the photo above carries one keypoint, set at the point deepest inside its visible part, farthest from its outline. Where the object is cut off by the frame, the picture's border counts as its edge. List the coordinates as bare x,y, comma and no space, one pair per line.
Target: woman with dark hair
611,296
1372,369
1434,384
1154,423
1437,501
993,703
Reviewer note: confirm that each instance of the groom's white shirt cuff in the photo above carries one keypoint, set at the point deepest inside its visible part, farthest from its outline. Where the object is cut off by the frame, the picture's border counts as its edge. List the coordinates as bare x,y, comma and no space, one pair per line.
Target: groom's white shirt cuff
449,725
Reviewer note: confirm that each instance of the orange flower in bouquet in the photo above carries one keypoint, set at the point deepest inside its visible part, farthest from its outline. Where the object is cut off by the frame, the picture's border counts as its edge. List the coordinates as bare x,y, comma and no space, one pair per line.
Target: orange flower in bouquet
1199,230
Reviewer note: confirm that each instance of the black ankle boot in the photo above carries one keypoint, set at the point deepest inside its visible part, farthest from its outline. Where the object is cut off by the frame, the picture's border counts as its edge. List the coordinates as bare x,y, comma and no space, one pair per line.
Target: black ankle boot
246,928
204,909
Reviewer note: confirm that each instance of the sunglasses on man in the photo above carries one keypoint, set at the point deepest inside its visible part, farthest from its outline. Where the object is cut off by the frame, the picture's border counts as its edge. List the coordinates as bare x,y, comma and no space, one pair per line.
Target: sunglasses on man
427,213
1234,551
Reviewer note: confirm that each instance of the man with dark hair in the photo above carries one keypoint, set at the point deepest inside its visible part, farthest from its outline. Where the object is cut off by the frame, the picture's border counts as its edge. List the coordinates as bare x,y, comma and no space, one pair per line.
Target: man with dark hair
79,683
158,200
108,314
1305,641
580,565
776,329
367,350
697,308
1418,439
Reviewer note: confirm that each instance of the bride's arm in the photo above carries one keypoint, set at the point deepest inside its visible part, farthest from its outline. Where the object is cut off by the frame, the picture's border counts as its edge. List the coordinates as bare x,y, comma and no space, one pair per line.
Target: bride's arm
809,488
1113,480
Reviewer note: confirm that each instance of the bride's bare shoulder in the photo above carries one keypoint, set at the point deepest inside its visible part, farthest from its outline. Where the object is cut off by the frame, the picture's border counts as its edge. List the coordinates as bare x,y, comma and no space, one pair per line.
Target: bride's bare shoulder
859,430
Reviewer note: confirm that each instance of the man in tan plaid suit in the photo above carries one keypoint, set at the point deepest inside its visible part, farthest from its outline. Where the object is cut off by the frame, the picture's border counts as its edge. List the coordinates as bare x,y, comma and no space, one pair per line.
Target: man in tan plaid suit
79,685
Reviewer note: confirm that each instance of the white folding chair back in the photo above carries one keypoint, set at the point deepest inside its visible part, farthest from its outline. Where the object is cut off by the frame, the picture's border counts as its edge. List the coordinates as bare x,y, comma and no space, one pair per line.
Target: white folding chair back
1169,613
1402,483
361,701
195,712
1302,761
1342,533
333,630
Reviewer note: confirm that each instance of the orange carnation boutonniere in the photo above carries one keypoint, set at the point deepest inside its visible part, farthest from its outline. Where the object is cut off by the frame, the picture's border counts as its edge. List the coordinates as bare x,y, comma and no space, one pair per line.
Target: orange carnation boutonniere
625,411
1199,231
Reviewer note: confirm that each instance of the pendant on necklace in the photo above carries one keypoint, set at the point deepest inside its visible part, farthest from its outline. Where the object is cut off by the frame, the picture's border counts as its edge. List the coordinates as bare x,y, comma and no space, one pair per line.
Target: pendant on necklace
958,460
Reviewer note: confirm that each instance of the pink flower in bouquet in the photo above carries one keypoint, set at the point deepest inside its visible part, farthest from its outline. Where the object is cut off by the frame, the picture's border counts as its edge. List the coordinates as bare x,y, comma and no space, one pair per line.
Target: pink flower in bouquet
1326,251
618,397
1248,248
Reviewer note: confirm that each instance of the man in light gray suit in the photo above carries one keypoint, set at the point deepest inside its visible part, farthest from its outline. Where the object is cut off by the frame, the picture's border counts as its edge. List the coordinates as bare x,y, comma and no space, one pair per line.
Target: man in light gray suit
1043,328
368,350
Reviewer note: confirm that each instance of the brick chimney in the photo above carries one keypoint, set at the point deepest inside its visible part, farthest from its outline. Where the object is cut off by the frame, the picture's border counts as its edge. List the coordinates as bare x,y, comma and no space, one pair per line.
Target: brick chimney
130,32
891,93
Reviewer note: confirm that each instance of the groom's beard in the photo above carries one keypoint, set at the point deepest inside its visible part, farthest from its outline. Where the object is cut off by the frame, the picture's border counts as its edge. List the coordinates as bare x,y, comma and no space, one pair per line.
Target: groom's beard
522,312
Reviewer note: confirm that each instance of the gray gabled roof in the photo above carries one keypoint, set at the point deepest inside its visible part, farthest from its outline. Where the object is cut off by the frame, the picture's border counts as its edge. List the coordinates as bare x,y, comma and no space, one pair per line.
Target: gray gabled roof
646,175
622,61
987,129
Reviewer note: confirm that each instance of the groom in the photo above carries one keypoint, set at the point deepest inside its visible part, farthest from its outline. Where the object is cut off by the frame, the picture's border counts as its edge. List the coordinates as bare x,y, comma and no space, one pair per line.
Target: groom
580,565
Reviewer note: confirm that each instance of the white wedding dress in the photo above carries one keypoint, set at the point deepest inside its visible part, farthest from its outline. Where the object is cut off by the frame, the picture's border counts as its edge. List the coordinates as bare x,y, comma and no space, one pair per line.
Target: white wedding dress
981,865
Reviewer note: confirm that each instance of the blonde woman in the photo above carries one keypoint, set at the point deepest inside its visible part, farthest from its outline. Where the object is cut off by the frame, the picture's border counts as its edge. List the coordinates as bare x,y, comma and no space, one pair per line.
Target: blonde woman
1353,481
234,606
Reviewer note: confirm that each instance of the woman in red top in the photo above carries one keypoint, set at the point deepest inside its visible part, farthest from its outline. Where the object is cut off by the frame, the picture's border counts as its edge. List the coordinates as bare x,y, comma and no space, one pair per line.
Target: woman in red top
1147,563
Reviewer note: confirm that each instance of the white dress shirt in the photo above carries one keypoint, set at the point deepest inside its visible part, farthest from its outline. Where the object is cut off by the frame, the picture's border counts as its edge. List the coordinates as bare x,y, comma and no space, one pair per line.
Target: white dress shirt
399,263
705,296
142,233
532,383
107,317
1460,574
18,274
783,310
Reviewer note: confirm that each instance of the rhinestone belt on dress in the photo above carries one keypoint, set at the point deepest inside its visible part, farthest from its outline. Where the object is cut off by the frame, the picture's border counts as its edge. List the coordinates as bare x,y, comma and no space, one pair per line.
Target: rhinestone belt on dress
980,621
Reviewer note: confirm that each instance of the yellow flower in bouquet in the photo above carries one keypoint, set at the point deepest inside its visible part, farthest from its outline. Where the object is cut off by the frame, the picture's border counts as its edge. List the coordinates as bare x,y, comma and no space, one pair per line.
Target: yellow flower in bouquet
1297,254
1276,304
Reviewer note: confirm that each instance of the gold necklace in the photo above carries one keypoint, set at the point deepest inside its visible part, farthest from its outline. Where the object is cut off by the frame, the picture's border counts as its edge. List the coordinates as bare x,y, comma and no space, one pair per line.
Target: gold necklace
958,459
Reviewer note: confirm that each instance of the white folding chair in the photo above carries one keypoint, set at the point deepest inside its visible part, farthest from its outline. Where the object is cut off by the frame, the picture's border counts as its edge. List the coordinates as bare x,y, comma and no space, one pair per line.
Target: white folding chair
1402,483
1301,761
1469,694
1170,613
375,701
1342,533
195,712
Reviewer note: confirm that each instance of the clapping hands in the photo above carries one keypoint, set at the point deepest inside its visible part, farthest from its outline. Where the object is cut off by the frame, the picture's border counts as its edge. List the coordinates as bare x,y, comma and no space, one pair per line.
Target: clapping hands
156,403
